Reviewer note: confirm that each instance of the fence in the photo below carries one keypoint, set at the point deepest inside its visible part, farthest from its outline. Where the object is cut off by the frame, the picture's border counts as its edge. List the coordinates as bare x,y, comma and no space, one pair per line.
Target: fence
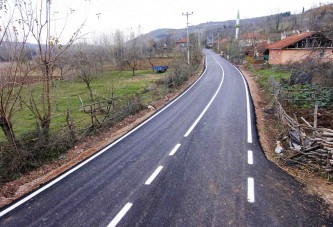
307,141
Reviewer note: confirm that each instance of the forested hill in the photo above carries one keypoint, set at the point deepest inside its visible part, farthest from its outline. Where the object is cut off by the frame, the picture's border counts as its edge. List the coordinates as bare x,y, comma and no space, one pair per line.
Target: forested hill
315,19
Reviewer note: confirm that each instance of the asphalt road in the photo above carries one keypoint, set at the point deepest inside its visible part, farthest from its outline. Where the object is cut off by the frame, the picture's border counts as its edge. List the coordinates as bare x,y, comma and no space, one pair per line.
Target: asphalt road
197,162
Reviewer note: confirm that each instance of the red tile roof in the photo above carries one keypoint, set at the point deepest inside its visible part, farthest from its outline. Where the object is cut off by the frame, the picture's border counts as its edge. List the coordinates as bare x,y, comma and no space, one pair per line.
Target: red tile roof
290,40
251,36
222,41
182,40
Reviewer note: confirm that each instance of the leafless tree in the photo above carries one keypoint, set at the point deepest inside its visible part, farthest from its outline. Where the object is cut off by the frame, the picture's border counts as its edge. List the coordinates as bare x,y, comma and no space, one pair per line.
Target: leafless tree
62,64
82,64
119,48
133,51
49,51
14,70
101,50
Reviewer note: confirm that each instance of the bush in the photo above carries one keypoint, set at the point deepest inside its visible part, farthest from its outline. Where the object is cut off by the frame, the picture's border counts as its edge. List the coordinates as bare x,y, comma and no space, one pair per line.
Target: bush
27,154
179,75
322,71
250,60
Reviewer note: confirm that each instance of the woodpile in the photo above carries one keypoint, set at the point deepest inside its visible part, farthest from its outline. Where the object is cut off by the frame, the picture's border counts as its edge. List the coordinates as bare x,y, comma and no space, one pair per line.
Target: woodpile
307,142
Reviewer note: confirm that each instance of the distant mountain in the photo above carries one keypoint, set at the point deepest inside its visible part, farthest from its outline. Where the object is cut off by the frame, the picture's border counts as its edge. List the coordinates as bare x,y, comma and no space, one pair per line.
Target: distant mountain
316,19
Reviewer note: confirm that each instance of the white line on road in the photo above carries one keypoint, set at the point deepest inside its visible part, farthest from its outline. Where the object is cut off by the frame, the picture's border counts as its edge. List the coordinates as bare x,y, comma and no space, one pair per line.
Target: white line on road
249,125
208,105
120,215
154,175
174,149
250,190
248,110
250,157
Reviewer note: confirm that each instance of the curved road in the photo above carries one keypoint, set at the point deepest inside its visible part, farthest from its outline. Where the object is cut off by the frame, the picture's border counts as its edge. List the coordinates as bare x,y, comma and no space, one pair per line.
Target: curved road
197,162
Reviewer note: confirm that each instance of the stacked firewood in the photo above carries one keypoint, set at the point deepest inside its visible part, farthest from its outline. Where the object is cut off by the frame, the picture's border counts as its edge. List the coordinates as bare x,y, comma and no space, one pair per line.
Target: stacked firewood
324,138
307,143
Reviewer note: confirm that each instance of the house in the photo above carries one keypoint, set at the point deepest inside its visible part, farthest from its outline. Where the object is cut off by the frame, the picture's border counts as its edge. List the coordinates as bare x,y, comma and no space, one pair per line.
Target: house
256,51
300,46
251,39
181,42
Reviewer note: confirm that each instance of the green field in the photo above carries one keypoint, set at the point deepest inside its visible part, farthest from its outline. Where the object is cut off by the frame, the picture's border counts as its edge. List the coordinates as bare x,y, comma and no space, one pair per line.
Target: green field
67,94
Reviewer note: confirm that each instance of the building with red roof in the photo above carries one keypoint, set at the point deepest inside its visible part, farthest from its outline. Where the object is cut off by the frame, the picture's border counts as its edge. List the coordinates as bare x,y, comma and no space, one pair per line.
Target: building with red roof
299,47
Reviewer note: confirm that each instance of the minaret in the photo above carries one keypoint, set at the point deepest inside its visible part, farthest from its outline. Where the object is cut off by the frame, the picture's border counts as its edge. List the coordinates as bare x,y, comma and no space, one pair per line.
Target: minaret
237,26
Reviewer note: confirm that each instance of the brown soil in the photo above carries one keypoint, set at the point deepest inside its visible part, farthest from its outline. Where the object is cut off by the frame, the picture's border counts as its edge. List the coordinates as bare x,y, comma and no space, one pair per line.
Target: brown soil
268,130
324,118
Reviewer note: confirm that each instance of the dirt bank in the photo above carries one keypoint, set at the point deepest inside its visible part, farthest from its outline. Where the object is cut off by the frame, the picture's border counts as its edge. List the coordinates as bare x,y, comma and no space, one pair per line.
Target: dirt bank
267,134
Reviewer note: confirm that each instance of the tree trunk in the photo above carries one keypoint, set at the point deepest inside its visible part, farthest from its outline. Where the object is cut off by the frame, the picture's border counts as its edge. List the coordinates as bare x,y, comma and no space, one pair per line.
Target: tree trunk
46,121
152,65
45,126
61,73
101,65
7,128
90,91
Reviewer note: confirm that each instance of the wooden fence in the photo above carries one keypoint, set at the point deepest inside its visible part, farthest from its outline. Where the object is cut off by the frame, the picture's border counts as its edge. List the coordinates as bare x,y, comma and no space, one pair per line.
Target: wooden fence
305,140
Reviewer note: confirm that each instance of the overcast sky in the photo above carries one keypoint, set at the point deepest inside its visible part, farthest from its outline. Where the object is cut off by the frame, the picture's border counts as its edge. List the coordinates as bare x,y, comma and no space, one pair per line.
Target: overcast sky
105,16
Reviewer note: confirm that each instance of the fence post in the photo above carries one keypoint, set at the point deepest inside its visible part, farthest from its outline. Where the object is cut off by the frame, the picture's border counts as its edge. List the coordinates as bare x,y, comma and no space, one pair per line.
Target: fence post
315,116
71,125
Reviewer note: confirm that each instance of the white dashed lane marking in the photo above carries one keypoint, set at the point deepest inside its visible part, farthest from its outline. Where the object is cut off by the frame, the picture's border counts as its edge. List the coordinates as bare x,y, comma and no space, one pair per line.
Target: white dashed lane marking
250,190
154,175
120,215
174,149
250,157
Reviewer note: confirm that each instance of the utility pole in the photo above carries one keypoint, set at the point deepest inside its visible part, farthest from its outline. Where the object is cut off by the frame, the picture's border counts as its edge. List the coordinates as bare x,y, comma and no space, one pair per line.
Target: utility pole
218,43
188,37
237,26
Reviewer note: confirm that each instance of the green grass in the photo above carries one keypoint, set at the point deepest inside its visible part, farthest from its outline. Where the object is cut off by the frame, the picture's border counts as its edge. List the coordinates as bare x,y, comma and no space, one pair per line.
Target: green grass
65,95
262,75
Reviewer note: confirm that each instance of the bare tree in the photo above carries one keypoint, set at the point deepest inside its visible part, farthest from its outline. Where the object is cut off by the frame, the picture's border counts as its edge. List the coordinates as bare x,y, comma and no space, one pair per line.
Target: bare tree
49,51
62,64
14,71
82,64
119,48
101,50
133,51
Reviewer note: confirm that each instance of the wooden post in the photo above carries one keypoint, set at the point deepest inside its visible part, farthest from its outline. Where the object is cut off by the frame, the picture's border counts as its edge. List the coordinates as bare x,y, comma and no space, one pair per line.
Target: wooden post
315,119
70,125
82,105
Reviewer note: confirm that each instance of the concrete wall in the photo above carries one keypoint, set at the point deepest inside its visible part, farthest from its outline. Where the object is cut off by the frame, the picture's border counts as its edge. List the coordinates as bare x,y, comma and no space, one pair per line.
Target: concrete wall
293,55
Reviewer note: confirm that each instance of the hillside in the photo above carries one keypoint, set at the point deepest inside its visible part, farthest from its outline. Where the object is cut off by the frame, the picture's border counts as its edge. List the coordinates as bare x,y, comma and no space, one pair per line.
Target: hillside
316,19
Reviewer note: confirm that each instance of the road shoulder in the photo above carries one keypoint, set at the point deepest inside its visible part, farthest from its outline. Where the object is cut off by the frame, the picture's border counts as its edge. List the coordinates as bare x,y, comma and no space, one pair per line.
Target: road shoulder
315,184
